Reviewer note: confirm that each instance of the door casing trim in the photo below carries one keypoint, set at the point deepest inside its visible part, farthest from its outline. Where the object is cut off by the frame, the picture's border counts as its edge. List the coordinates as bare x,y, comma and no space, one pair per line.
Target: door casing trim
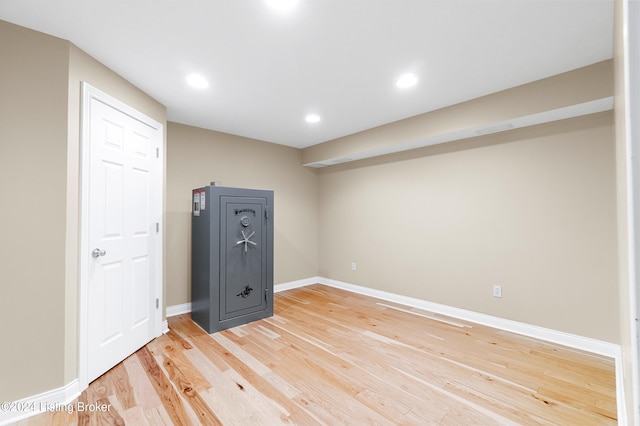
88,93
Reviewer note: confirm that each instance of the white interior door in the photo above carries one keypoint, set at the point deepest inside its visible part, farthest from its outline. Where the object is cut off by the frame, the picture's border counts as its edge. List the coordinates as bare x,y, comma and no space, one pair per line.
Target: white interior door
123,233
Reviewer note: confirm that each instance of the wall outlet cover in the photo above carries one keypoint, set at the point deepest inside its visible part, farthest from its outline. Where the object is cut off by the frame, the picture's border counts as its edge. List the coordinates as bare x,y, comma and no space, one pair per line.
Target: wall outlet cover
497,291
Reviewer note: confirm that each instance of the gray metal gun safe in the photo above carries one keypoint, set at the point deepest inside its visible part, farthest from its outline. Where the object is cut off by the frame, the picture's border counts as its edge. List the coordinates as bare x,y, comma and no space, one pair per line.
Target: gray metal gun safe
231,256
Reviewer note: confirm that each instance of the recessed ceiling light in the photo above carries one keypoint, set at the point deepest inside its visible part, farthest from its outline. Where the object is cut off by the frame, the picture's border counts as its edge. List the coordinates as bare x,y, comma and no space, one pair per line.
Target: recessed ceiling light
197,81
407,80
282,4
312,118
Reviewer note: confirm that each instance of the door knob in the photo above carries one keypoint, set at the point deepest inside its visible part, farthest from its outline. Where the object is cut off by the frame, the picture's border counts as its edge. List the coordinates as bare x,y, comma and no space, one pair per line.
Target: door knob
96,253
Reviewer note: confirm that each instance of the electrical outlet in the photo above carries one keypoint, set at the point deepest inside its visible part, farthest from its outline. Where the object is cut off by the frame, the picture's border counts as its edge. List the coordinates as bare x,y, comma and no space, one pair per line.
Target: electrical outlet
497,291
353,266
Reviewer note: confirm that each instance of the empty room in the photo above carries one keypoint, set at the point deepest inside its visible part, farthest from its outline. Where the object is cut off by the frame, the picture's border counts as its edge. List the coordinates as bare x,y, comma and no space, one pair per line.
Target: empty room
319,212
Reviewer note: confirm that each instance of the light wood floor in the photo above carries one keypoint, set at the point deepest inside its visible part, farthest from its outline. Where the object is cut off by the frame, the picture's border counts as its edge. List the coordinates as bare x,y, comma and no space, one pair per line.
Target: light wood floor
334,357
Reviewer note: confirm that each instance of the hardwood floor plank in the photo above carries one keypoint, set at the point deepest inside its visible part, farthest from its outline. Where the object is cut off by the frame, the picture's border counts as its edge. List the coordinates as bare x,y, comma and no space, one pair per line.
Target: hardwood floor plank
143,391
238,353
383,384
190,392
168,396
186,378
120,386
182,343
173,360
236,386
279,391
336,407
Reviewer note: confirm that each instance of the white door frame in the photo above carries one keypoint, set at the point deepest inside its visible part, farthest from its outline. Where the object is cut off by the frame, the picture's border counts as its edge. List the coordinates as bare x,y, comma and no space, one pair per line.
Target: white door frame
88,93
631,46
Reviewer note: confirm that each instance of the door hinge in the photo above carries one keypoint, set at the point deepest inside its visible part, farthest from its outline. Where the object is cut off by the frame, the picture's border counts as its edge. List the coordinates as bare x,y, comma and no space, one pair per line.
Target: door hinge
266,291
157,303
157,152
266,212
157,227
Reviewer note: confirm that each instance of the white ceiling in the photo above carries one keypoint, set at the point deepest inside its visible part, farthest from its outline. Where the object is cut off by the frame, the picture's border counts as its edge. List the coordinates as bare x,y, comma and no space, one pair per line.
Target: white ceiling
338,58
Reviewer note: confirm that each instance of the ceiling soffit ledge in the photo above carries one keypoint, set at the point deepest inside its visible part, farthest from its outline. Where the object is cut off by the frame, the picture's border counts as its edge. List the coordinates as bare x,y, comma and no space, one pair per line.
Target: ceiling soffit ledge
575,93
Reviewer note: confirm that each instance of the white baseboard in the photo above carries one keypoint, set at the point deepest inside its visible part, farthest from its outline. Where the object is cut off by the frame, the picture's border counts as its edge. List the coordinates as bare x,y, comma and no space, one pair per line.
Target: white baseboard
174,310
295,284
53,400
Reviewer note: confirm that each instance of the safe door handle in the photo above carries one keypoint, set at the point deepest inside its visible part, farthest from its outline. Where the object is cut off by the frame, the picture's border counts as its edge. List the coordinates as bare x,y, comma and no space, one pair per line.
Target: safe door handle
96,253
247,240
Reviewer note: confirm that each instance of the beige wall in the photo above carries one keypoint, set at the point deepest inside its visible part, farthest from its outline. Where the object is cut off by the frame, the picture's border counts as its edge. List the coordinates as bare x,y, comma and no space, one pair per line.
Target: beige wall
532,210
39,189
33,141
197,157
